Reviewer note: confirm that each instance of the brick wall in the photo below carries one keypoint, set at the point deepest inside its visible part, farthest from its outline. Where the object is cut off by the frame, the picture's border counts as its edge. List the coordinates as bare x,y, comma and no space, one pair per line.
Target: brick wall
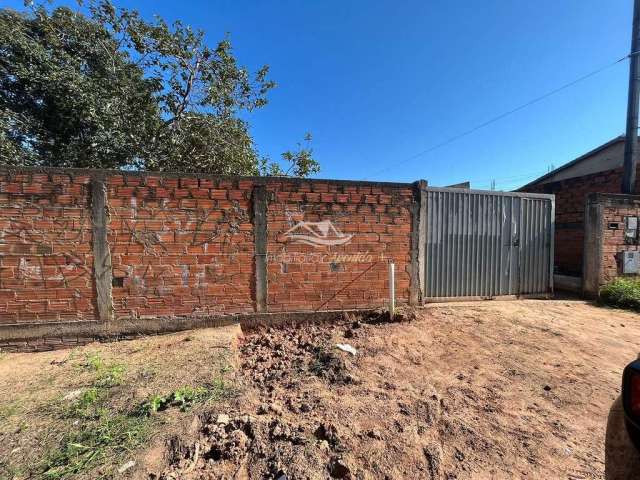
180,246
46,260
376,218
571,195
613,241
605,222
184,246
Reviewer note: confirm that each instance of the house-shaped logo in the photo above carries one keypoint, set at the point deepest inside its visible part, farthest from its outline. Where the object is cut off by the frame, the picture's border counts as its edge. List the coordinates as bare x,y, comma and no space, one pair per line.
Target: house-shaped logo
316,234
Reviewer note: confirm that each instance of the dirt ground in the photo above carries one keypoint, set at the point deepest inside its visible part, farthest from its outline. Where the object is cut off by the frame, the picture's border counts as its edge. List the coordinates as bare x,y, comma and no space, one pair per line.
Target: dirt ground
518,389
75,413
485,390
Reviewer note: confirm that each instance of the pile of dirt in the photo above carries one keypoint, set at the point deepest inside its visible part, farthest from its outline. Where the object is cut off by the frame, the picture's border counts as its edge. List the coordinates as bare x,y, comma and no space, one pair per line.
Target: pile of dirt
247,446
287,355
284,435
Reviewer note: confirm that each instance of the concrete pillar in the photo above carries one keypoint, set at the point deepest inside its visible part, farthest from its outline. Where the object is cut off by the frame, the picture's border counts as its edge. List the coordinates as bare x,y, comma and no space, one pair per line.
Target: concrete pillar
260,236
102,269
418,242
592,253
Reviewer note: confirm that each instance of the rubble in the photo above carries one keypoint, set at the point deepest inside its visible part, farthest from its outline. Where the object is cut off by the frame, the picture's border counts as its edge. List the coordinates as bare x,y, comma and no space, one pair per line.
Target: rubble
290,437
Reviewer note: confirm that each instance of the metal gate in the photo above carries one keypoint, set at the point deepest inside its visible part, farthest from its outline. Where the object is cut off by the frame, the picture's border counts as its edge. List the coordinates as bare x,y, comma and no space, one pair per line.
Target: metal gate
487,244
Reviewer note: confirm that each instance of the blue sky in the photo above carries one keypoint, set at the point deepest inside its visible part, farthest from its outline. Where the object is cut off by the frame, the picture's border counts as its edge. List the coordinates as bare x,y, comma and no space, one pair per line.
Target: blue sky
377,82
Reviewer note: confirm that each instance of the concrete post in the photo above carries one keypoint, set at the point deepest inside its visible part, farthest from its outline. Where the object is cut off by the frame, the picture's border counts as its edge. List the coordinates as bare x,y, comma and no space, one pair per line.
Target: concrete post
392,290
418,242
102,269
260,235
592,252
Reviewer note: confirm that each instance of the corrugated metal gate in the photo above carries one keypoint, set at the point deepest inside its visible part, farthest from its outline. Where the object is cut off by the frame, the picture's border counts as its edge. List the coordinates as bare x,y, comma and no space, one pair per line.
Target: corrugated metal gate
487,244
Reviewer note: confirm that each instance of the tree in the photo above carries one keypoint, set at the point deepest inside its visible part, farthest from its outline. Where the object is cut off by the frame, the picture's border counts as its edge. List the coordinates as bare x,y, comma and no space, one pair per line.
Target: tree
101,87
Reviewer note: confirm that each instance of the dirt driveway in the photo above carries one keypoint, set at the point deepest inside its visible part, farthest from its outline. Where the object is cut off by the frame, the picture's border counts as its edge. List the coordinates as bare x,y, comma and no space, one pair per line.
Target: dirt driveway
484,390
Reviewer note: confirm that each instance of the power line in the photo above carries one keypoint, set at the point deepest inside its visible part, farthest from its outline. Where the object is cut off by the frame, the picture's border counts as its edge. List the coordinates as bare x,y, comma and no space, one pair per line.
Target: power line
520,176
507,183
503,115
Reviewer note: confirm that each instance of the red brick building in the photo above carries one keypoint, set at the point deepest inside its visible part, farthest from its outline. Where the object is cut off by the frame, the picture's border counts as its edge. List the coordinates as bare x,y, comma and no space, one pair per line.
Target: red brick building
598,171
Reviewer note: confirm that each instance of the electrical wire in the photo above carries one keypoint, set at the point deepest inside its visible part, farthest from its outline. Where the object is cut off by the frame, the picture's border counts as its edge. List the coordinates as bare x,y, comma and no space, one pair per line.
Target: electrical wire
502,115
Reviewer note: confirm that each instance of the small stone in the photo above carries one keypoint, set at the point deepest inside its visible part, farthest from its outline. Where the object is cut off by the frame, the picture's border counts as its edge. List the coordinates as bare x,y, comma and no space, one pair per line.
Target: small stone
194,427
72,395
239,438
547,388
374,434
223,419
305,407
126,466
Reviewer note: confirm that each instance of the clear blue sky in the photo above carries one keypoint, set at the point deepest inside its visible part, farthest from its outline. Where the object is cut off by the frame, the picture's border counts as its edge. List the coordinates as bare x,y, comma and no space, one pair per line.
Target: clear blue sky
377,81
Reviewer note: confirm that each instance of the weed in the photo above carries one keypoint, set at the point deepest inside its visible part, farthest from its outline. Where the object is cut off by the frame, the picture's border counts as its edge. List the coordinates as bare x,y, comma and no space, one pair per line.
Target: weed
102,438
220,389
155,404
95,361
9,410
108,375
87,405
185,397
109,437
622,293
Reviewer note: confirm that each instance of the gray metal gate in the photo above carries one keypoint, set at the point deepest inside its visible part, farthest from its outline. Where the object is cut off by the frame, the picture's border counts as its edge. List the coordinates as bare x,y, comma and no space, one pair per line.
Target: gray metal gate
487,244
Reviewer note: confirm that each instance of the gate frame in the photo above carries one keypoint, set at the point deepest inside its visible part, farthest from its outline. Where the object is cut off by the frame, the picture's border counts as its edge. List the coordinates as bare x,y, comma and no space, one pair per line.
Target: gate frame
424,234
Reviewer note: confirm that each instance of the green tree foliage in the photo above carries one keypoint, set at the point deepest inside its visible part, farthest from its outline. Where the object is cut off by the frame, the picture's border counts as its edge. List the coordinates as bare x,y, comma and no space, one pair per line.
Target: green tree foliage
102,87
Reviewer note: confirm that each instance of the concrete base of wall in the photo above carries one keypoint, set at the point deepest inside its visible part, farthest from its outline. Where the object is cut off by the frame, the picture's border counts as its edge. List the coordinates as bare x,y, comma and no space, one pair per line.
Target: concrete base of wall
53,336
567,283
496,298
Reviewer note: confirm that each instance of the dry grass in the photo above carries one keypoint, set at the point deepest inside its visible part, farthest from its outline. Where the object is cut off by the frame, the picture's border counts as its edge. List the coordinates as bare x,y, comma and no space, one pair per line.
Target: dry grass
83,413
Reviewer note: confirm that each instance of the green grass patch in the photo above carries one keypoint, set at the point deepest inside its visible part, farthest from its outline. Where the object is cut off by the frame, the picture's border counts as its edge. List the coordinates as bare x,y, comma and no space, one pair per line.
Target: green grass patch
106,440
622,293
86,405
101,439
186,396
108,374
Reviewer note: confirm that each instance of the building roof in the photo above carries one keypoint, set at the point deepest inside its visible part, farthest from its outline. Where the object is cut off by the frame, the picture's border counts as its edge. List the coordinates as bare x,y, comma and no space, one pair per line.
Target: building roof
572,163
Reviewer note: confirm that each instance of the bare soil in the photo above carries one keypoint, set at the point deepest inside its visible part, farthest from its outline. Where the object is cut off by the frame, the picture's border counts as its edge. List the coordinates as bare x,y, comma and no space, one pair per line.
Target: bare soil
516,389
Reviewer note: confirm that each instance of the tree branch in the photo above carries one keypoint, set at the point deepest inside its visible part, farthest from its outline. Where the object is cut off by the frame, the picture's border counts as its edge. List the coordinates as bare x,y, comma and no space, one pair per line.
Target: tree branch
193,72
